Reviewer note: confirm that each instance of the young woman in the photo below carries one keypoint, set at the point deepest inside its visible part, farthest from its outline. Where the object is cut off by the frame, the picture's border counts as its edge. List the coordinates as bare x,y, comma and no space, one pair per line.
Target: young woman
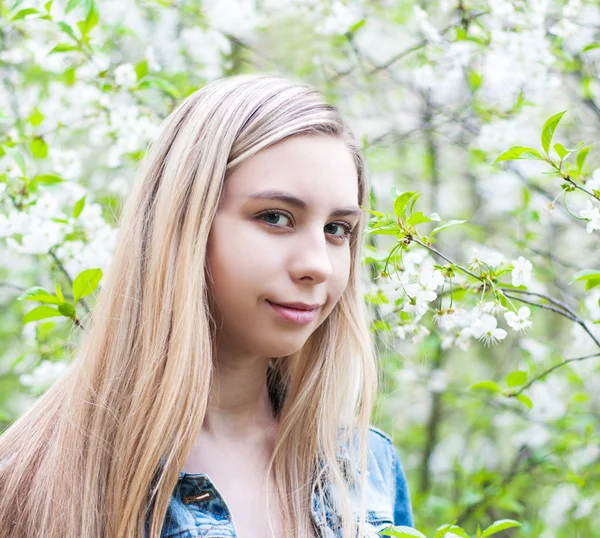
226,376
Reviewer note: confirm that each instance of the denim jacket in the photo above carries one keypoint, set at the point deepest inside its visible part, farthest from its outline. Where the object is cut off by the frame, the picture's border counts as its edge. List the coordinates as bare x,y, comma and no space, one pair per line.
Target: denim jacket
197,508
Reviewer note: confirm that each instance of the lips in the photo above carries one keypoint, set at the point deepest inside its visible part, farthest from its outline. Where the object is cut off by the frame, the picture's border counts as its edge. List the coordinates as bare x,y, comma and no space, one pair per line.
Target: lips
295,315
298,306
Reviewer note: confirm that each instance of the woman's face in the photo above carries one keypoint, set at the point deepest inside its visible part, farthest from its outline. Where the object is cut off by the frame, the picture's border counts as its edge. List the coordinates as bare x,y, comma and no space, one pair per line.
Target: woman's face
264,249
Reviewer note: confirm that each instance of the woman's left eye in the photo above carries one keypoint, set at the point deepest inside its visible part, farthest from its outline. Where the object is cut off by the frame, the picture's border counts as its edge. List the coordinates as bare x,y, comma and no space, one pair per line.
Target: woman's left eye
345,227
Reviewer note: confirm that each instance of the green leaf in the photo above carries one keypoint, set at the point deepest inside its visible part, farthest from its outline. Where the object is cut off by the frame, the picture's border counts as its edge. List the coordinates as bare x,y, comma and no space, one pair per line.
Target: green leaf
447,529
45,179
17,157
67,30
447,225
549,128
63,47
520,152
40,312
474,80
36,117
23,13
67,310
160,83
418,218
15,5
39,148
498,526
357,26
561,151
86,282
591,46
516,378
413,201
40,294
581,156
486,385
79,207
91,20
59,293
401,202
390,229
525,400
141,69
372,212
72,4
402,532
590,276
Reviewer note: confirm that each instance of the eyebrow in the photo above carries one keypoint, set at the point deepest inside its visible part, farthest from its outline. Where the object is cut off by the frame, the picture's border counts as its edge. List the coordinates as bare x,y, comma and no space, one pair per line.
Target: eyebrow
295,201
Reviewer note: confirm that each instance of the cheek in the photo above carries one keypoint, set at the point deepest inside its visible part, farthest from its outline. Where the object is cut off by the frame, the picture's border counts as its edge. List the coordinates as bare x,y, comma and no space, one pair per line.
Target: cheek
339,281
236,264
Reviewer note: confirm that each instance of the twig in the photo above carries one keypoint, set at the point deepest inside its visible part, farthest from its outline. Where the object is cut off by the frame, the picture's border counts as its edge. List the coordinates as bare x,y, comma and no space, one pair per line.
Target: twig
542,296
549,370
62,269
438,253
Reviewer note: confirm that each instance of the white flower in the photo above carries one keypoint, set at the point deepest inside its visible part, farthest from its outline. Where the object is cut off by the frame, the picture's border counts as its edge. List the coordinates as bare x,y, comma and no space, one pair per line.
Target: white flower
446,318
486,255
519,321
423,289
125,75
484,329
490,307
521,273
426,27
45,374
413,331
40,239
592,215
153,64
461,338
341,17
415,306
474,261
594,183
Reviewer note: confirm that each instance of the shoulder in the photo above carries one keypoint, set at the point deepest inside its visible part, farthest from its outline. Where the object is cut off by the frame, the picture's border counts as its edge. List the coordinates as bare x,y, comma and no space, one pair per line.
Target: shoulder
386,472
380,446
379,436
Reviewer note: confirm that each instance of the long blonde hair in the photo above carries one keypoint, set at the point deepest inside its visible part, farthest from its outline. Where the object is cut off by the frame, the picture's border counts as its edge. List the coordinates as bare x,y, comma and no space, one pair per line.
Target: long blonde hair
98,455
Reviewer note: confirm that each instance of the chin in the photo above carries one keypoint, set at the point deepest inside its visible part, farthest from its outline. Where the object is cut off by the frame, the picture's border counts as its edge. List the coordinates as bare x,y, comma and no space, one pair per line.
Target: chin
282,349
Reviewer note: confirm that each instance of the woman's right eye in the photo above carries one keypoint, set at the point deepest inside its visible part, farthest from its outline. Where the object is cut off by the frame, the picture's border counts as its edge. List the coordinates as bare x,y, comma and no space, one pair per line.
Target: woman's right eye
273,218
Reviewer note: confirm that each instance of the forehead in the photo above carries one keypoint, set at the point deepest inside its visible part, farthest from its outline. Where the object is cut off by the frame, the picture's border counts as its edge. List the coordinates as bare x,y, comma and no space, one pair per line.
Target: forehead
319,169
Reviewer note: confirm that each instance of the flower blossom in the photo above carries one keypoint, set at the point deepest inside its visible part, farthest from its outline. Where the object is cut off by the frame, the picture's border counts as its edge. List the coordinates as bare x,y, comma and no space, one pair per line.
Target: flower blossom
421,289
519,321
521,273
592,215
485,329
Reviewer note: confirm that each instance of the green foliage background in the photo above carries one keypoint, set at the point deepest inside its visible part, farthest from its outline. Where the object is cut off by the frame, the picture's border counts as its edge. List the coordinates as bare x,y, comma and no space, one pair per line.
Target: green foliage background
470,105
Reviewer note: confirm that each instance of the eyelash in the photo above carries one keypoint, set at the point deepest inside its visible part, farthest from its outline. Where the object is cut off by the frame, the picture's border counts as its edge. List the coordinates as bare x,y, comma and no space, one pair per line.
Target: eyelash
346,225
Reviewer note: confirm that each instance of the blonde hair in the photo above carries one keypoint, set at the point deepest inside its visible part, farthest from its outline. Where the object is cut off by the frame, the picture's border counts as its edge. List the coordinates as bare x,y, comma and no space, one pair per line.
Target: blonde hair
99,454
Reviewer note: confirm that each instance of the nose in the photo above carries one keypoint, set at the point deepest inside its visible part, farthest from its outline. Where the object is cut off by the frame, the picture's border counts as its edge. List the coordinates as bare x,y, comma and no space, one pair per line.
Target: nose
311,259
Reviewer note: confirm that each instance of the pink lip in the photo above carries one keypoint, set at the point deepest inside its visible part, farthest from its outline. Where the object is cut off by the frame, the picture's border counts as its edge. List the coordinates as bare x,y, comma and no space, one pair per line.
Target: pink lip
294,314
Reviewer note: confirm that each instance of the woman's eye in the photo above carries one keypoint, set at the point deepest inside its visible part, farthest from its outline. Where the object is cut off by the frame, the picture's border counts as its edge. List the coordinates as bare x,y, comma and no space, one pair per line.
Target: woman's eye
273,217
345,229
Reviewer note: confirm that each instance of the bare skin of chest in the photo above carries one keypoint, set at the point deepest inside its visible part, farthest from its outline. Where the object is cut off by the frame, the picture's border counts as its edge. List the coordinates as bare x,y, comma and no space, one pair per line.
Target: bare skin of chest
240,474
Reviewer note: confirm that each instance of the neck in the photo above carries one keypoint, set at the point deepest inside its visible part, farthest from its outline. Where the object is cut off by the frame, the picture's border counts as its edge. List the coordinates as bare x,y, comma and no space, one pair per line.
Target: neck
239,404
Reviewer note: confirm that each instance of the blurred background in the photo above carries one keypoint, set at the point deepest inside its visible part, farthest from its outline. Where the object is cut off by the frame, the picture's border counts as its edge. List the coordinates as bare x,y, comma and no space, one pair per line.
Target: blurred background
495,415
